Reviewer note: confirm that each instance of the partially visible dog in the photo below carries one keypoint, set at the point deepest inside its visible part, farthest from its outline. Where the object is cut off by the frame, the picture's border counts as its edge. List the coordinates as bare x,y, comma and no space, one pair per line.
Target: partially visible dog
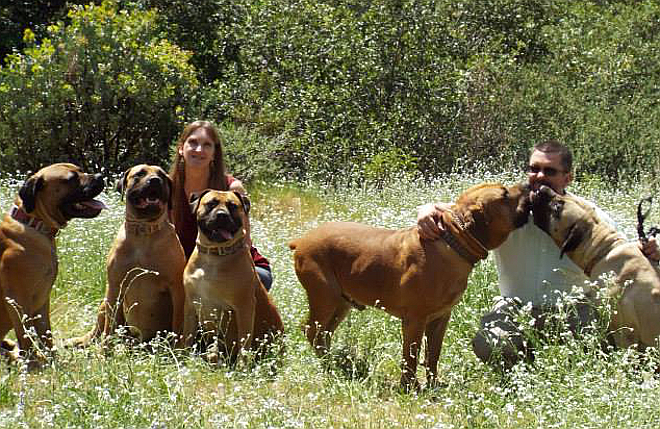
344,265
598,249
225,299
28,258
145,264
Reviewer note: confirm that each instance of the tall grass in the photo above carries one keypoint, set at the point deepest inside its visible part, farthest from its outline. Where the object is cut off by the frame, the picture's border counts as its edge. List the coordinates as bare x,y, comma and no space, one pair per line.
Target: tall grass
569,385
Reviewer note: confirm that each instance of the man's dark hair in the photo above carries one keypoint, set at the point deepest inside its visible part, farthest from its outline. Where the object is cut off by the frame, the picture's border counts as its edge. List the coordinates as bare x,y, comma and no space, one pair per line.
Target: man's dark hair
550,146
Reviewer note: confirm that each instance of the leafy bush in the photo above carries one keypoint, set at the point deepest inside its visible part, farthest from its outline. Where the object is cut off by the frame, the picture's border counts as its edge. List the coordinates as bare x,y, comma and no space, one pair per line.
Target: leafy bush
106,92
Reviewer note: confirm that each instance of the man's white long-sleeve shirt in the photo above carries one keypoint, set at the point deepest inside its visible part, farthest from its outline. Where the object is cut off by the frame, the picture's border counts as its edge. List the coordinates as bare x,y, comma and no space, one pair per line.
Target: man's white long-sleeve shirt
530,268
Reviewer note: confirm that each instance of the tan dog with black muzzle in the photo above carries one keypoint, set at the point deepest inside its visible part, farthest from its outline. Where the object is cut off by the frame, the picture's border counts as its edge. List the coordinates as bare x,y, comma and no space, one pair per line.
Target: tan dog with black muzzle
344,265
224,296
28,258
145,264
598,249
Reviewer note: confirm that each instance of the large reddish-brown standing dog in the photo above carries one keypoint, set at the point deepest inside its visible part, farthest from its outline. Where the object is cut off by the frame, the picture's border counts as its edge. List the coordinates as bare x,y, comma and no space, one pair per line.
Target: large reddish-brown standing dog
342,265
28,259
224,296
145,265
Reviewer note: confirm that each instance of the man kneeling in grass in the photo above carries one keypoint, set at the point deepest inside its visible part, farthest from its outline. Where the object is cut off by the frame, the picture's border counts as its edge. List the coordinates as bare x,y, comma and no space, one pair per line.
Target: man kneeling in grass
533,277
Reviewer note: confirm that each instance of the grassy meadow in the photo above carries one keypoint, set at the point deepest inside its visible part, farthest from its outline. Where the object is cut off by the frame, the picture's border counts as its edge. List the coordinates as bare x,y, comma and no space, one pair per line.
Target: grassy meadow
571,385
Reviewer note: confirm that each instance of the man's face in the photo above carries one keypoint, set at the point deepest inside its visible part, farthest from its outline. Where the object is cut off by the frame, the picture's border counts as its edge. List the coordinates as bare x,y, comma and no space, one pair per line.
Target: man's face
545,168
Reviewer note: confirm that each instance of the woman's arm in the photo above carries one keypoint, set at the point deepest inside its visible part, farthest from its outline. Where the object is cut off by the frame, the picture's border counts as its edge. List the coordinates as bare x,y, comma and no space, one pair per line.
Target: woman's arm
237,186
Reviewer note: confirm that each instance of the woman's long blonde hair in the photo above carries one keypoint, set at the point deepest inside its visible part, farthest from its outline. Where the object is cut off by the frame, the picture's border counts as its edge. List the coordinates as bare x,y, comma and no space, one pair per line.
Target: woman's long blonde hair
217,173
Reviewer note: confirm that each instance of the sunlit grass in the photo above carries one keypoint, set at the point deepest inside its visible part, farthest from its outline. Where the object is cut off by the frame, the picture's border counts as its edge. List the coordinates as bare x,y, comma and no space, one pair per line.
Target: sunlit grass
570,385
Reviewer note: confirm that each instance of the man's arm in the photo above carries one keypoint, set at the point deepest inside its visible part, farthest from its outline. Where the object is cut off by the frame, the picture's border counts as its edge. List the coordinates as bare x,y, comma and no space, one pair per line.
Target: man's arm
428,216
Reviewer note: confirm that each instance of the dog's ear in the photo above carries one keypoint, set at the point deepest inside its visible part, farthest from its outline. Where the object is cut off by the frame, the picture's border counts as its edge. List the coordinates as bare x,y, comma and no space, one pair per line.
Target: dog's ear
28,192
245,201
573,239
123,183
195,198
170,186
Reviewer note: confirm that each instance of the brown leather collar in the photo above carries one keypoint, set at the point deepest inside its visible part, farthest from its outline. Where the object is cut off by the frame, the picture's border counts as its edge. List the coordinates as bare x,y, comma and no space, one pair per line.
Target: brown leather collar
21,216
221,250
144,228
460,239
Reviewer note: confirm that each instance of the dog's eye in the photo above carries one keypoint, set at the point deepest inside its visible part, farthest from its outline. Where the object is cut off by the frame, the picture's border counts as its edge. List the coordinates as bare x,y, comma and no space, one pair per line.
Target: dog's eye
557,206
72,177
140,173
211,204
231,206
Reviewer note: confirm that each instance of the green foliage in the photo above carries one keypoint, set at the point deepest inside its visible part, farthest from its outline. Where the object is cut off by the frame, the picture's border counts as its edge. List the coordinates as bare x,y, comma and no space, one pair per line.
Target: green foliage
352,79
106,91
206,28
251,155
343,88
596,90
18,15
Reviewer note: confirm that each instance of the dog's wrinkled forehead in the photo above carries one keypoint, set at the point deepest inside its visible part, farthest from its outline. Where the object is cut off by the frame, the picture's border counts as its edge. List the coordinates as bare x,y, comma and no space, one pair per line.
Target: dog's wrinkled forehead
61,172
212,199
565,206
490,192
145,169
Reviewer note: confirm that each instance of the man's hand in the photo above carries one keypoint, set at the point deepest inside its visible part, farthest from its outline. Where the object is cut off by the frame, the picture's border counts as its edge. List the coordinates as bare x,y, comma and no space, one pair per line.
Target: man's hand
648,248
428,216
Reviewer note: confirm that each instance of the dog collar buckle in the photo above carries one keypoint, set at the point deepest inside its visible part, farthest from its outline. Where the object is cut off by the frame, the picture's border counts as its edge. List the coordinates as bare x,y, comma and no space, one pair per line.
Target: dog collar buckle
19,215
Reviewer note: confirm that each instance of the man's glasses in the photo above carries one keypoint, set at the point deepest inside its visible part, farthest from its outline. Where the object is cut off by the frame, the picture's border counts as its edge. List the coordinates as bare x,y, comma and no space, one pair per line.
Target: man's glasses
547,171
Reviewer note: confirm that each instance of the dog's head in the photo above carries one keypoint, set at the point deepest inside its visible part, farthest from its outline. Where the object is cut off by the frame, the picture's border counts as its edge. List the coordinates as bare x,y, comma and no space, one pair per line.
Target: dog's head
60,192
567,220
148,191
491,211
220,216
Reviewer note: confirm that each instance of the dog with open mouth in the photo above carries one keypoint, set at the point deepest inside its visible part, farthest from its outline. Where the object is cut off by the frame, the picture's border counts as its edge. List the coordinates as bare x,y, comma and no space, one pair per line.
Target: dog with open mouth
226,304
598,249
145,264
46,202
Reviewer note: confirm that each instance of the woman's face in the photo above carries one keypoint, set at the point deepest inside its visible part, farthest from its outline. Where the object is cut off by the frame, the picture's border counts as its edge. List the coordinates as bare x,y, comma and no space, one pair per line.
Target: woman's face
198,149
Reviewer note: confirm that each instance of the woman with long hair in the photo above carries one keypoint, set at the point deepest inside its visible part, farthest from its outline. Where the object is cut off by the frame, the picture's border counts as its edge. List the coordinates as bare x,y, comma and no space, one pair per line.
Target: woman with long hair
198,164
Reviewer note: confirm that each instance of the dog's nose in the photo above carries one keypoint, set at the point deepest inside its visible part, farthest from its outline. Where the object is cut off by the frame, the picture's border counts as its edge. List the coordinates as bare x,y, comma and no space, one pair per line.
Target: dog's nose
153,180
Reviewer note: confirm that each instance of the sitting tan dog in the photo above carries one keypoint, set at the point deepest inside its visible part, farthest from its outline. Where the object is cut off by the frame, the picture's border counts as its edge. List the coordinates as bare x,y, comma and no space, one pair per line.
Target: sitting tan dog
28,258
597,248
145,264
224,296
344,265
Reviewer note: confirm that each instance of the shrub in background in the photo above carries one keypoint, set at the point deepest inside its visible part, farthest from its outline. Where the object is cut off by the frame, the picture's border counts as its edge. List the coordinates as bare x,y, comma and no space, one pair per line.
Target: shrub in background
106,91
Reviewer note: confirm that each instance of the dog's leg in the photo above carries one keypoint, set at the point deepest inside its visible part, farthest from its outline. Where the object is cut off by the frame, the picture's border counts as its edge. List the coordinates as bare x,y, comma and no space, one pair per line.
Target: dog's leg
43,328
413,331
244,324
178,298
323,321
6,346
327,307
30,333
189,324
435,333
